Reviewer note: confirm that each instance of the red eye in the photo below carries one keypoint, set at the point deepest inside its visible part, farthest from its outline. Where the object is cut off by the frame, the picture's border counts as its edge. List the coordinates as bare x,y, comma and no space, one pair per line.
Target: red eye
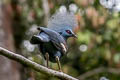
68,31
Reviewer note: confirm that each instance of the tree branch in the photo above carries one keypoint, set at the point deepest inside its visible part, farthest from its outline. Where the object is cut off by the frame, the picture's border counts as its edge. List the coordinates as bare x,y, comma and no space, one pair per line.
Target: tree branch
99,70
34,65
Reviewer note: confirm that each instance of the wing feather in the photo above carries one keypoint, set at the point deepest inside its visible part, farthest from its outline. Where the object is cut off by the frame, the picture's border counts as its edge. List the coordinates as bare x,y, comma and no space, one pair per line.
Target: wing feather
41,37
57,40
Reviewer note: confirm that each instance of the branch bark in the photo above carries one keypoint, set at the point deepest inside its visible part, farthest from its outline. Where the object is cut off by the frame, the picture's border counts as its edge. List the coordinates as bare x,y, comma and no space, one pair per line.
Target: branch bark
34,65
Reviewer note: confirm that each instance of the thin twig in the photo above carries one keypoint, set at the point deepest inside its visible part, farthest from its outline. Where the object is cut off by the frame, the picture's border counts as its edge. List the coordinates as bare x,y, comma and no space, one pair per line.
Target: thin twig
99,70
34,65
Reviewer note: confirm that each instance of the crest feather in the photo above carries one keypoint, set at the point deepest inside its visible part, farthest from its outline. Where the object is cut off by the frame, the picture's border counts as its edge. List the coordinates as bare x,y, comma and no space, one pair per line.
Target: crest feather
62,20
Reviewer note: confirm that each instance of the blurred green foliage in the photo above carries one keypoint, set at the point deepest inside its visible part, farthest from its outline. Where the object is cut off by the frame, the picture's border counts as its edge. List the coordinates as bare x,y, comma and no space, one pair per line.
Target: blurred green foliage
98,43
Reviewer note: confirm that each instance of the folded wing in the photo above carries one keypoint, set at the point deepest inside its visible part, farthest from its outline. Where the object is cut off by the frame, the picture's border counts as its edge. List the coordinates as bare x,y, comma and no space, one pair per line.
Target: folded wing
55,38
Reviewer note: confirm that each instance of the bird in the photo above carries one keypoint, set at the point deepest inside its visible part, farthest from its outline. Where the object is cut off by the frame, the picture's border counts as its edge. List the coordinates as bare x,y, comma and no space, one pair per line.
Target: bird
52,41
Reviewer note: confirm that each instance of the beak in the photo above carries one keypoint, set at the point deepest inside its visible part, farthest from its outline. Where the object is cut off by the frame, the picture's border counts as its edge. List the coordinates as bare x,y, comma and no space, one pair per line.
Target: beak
74,35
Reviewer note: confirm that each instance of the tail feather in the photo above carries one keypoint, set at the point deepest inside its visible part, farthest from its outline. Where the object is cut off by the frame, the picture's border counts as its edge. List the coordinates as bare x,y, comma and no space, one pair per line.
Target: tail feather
35,39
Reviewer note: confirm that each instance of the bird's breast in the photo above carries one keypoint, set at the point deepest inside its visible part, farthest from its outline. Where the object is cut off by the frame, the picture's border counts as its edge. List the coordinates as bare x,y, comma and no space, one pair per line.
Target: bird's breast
51,50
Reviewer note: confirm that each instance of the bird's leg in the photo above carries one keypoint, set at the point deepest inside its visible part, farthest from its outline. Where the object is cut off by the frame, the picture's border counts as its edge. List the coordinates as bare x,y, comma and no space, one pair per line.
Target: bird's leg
58,62
47,59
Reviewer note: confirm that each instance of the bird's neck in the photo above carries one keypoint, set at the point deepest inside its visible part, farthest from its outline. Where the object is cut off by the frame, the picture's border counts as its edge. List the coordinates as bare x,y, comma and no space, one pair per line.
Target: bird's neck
65,37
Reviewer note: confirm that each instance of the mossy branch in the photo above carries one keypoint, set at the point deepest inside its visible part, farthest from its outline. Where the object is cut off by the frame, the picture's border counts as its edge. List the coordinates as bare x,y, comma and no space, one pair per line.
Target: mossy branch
34,65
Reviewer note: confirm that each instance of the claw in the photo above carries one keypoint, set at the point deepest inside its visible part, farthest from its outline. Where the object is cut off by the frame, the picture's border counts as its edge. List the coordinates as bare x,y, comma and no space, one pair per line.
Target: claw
47,59
58,62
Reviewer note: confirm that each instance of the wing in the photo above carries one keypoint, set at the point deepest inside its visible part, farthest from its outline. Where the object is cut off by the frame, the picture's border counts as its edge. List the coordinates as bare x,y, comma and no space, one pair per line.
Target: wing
56,39
41,37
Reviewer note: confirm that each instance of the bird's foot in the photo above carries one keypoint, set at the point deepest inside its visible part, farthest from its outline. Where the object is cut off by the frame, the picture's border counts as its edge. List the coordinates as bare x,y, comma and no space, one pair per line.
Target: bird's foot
58,62
60,71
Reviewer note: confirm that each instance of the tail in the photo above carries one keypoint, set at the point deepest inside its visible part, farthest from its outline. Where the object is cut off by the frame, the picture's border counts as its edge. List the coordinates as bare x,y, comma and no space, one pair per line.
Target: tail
35,39
40,38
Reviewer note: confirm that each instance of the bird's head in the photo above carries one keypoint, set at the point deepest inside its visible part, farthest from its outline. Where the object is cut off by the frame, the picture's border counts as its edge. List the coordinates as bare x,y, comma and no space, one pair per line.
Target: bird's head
68,33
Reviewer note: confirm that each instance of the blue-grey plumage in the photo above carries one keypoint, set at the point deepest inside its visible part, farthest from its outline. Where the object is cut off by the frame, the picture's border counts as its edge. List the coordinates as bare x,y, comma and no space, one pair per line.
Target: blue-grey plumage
50,42
61,21
67,33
